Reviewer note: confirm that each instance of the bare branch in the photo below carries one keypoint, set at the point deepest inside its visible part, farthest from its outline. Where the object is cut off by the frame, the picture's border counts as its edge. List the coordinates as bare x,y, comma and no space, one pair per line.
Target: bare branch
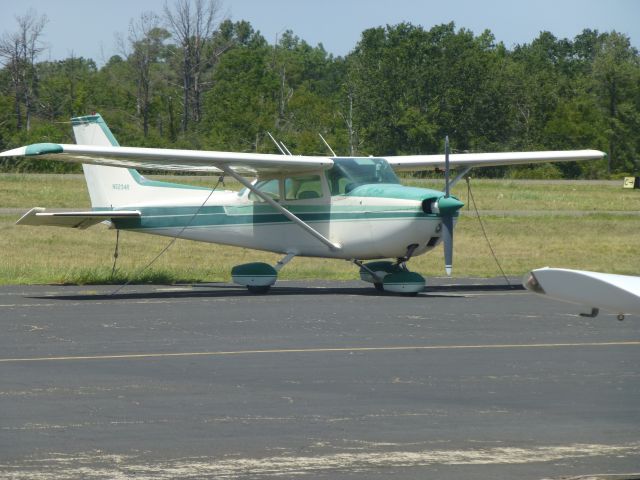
18,52
192,23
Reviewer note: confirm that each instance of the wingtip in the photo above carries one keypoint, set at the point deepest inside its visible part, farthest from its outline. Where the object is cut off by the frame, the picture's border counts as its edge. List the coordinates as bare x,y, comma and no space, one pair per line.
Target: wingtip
16,152
592,154
34,150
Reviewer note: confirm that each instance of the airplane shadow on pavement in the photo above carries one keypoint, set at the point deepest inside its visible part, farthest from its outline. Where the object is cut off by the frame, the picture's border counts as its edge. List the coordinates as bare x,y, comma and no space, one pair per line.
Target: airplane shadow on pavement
226,290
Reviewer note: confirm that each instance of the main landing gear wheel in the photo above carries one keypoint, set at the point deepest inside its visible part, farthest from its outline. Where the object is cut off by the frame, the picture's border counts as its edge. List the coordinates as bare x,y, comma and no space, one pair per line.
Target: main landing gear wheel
258,289
257,277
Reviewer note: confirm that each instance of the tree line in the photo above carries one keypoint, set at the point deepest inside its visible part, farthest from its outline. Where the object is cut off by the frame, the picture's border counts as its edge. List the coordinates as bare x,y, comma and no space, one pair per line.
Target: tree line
187,78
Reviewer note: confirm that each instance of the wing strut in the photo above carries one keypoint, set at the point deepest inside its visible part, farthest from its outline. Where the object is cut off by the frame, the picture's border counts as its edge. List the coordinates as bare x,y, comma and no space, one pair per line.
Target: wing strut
460,176
305,226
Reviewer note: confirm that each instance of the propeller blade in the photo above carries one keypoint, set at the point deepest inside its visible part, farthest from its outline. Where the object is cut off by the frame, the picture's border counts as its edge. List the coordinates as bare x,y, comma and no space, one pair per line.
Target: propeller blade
447,237
447,206
446,166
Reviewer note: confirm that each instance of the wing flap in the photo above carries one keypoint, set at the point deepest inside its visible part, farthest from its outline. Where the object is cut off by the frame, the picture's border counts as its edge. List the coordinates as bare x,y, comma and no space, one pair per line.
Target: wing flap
40,217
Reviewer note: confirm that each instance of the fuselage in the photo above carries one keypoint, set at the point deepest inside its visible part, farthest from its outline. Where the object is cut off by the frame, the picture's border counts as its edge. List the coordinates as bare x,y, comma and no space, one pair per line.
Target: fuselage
363,208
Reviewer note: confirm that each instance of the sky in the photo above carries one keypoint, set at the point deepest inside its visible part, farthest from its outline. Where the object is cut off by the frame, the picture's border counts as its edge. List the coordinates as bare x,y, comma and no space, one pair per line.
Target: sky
88,28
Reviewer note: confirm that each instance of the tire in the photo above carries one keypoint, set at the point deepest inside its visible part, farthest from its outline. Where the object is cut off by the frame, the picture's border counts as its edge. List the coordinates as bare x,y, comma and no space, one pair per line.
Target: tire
258,290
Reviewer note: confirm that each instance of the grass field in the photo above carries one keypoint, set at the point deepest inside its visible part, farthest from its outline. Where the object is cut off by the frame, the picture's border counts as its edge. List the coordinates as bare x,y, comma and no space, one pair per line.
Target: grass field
544,231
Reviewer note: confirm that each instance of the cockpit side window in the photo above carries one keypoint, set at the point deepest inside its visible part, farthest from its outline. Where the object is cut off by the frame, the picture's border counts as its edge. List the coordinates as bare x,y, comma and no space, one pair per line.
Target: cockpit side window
270,187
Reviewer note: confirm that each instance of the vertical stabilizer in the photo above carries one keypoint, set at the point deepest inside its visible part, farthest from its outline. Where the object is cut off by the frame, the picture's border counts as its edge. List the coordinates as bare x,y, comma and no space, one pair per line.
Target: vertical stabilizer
108,186
115,187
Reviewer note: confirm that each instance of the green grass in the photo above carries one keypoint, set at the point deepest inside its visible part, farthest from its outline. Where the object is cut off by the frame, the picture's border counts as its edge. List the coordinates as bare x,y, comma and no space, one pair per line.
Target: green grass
70,191
599,241
543,195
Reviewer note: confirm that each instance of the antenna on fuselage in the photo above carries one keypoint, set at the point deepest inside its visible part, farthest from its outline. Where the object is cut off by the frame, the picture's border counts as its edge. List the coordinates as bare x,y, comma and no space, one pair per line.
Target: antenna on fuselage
285,147
327,145
277,144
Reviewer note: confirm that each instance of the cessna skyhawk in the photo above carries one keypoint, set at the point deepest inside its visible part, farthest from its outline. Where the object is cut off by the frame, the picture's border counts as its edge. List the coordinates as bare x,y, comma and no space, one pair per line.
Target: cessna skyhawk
351,208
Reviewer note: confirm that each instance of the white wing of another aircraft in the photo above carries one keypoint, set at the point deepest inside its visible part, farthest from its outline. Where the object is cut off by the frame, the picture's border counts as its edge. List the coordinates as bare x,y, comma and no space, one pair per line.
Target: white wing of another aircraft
617,293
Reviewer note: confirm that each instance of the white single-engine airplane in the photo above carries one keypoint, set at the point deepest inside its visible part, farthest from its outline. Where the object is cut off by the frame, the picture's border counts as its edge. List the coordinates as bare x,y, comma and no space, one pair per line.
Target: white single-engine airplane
352,208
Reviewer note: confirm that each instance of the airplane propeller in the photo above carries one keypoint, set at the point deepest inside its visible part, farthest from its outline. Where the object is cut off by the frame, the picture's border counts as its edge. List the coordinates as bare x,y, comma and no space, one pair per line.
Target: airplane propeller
447,206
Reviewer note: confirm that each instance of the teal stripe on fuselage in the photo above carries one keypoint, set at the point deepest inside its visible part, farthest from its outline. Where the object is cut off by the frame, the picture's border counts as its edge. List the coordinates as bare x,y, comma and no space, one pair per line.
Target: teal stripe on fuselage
216,216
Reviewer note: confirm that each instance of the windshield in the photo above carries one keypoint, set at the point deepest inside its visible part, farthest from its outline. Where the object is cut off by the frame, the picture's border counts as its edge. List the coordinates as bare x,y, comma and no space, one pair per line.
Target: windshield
348,173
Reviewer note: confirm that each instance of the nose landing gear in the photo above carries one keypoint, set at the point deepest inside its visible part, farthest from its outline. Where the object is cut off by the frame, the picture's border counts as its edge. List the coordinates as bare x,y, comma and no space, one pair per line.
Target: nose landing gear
393,277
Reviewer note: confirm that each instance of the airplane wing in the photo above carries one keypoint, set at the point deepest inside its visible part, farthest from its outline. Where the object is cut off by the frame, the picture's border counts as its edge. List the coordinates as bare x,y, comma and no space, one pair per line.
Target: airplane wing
170,159
40,217
616,293
423,162
252,163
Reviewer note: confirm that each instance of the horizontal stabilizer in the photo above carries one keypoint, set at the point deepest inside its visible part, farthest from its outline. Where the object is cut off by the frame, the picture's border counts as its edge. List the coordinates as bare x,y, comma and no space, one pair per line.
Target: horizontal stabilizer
40,217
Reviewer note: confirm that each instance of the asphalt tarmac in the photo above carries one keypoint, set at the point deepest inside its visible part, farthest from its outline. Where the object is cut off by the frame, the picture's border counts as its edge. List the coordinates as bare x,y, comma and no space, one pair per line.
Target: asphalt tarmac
471,379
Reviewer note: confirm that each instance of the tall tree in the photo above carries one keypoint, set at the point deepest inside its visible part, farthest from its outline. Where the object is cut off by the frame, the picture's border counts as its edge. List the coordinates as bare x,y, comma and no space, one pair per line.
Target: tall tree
616,73
65,87
242,104
410,87
146,39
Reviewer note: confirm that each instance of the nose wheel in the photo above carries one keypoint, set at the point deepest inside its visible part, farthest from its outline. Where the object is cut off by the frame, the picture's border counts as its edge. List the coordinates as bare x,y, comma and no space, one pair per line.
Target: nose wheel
391,277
